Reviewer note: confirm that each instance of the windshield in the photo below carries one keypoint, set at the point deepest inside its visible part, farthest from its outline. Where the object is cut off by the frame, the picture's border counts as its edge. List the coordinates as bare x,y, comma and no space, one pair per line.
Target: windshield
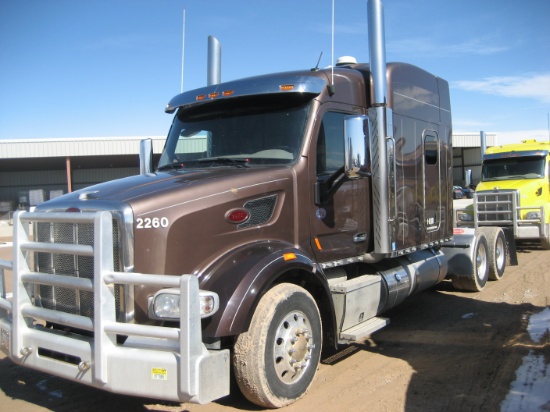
240,133
529,167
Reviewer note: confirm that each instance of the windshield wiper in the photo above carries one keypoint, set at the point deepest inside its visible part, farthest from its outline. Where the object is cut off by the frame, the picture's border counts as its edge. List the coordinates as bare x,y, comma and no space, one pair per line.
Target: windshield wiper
225,161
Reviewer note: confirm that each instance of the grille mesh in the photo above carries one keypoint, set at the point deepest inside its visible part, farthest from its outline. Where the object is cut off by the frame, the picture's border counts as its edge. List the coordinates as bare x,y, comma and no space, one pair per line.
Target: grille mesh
62,299
261,210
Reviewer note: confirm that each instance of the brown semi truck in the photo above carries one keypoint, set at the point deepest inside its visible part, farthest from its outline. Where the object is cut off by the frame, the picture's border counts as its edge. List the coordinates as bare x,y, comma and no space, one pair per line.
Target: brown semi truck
286,214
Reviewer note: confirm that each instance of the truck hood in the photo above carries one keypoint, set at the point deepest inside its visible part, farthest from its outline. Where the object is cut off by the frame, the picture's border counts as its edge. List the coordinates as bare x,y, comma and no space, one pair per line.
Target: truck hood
158,187
523,186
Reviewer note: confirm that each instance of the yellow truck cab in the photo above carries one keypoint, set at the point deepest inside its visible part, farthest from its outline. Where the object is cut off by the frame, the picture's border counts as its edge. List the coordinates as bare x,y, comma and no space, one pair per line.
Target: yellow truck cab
514,191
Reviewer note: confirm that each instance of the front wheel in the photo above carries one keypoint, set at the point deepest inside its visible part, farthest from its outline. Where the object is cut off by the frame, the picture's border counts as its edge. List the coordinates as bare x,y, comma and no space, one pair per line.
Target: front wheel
276,359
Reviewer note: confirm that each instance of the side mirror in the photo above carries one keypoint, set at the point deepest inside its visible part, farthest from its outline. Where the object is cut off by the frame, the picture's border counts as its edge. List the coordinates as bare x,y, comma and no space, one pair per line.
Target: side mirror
145,157
356,152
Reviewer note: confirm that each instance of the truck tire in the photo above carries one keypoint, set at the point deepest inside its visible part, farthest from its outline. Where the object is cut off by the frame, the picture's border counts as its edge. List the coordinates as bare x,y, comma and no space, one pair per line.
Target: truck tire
477,281
496,251
276,359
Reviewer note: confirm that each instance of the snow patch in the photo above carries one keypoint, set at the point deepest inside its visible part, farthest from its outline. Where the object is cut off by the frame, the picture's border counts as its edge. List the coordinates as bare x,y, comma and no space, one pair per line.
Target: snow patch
539,325
530,391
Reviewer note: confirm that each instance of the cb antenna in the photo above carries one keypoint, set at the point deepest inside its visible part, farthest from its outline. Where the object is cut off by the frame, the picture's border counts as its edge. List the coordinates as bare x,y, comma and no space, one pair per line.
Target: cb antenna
182,50
317,65
331,86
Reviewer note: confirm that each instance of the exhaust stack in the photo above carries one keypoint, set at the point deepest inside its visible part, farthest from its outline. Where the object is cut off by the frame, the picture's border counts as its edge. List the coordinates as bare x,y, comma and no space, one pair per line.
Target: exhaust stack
377,51
214,61
382,145
483,143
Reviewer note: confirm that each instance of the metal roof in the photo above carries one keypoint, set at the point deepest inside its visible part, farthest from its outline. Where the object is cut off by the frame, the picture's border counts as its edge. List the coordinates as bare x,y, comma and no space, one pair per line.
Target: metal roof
472,139
71,147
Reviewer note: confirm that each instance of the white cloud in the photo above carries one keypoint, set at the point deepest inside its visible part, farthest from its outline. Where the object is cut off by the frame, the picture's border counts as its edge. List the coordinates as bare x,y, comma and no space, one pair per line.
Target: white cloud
426,45
531,85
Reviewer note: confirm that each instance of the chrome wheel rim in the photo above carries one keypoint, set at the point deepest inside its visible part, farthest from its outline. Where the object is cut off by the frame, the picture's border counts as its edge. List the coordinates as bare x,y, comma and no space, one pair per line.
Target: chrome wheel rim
293,346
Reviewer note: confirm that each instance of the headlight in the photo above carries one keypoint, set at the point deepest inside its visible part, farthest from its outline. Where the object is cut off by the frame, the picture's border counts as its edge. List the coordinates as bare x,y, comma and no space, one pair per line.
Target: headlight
166,304
532,215
465,217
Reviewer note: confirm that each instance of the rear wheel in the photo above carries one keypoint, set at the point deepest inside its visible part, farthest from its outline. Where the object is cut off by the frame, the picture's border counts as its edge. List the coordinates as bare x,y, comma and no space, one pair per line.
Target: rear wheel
276,359
496,251
477,281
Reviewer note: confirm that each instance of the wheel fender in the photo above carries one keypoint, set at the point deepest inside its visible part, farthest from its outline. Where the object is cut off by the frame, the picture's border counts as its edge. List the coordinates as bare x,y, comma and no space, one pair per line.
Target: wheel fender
241,277
460,252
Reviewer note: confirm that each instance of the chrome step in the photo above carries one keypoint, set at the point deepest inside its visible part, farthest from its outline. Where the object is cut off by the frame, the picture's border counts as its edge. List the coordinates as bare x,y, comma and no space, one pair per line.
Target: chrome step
362,330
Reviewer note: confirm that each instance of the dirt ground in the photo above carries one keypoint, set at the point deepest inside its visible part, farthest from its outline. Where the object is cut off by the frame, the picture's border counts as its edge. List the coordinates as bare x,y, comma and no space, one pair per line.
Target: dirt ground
443,351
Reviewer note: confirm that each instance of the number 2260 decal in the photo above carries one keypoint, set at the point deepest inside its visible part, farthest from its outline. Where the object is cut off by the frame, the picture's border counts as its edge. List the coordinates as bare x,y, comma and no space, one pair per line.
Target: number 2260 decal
151,222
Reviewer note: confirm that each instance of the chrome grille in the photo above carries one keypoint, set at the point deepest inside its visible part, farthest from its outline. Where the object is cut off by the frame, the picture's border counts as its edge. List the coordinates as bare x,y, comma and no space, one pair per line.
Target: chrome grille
63,299
495,207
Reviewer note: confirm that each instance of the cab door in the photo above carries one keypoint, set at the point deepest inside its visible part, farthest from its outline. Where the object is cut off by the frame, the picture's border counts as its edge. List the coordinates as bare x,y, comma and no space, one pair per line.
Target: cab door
339,222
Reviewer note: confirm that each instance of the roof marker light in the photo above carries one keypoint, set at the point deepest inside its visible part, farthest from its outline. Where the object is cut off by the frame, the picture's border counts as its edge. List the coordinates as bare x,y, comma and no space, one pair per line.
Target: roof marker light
286,87
226,93
214,95
201,97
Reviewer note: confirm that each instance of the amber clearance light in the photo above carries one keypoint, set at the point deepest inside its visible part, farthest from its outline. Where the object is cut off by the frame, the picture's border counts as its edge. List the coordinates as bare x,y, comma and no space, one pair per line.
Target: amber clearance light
286,87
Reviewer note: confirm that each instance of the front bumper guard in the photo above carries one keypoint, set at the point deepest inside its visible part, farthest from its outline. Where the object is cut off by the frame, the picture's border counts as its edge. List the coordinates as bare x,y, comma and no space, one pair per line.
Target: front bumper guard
158,362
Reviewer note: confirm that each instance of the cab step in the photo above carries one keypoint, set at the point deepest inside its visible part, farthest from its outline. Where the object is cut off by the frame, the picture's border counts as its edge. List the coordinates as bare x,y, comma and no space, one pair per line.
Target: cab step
362,330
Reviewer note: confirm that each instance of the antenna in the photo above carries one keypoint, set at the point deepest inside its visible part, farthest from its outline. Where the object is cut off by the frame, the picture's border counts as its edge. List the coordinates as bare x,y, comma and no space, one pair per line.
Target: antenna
332,63
331,85
317,65
182,50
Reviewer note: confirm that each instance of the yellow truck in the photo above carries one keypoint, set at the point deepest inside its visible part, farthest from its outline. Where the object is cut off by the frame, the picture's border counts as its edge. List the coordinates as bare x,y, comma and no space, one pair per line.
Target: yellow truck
514,192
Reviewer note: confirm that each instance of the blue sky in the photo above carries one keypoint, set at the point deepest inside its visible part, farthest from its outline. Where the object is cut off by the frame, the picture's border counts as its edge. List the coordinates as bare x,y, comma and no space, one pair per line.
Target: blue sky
106,68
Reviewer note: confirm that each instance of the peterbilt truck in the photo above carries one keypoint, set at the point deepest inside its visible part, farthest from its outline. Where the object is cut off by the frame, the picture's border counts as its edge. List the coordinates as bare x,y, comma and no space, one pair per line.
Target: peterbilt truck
514,192
287,213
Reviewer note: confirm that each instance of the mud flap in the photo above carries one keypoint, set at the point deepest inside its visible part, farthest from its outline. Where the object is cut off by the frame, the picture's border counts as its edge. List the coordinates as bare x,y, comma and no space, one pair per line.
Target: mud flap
510,247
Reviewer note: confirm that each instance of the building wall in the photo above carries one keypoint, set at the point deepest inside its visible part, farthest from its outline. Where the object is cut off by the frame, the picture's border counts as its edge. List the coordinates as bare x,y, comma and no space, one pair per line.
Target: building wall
466,159
467,155
24,186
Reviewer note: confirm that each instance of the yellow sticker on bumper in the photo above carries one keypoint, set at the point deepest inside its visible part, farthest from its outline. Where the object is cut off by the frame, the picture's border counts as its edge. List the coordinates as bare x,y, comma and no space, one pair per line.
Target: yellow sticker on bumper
159,374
